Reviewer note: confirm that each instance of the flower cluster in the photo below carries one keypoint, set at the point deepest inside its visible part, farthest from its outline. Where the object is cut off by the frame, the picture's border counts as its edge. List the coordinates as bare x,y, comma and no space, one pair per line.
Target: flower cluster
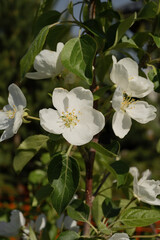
130,86
16,226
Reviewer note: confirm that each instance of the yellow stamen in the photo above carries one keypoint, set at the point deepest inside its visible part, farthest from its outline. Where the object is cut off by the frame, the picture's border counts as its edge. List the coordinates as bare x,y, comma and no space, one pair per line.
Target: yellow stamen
70,118
11,113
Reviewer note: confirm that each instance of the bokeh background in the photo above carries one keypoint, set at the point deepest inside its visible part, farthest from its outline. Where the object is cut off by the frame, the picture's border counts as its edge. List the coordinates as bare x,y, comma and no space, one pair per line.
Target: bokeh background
17,21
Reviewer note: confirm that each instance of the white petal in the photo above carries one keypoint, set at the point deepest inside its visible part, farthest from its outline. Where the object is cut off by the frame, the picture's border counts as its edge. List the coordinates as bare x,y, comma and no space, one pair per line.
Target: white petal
7,230
45,62
139,87
16,97
40,223
121,123
90,123
17,218
60,46
60,220
141,111
146,174
119,236
8,133
38,75
11,229
60,100
79,96
50,121
17,120
117,99
119,76
4,120
130,65
70,224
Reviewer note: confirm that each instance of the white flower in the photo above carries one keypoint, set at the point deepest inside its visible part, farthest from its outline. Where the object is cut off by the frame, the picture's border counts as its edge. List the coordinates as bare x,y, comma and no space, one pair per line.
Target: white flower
127,108
47,64
67,222
145,190
125,75
11,229
16,226
11,115
119,236
74,118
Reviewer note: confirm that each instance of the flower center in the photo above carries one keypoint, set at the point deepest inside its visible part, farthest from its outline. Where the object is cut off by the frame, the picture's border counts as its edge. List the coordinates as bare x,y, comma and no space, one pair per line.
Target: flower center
69,118
11,113
126,102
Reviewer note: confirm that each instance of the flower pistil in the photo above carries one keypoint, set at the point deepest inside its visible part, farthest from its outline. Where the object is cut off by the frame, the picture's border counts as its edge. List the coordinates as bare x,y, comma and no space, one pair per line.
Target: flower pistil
70,118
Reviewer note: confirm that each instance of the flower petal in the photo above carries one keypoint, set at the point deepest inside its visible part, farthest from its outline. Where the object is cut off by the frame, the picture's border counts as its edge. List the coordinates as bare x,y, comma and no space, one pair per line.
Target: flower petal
121,123
8,133
117,99
78,96
60,100
70,224
4,120
141,111
50,121
38,75
119,236
17,120
90,123
45,61
119,76
40,223
16,97
79,135
139,87
130,65
60,46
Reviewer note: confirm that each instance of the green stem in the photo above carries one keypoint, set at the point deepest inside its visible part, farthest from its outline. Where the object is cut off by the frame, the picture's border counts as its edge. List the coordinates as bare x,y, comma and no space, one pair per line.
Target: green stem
69,150
33,118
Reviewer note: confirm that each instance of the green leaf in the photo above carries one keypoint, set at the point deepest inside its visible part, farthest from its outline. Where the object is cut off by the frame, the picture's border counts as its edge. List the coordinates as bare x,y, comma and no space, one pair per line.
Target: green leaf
45,19
136,217
37,176
78,211
36,46
149,10
121,169
32,235
78,55
117,31
99,148
68,235
155,39
27,150
158,146
154,76
63,175
94,27
109,208
42,194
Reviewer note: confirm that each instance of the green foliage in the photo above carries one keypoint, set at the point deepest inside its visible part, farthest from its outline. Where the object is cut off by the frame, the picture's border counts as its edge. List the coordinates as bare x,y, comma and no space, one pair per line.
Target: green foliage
78,55
27,150
139,217
78,211
68,235
63,175
102,150
35,48
109,208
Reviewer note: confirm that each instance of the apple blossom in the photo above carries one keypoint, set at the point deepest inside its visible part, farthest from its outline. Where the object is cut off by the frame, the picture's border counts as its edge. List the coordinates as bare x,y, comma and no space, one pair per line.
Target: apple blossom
16,226
12,114
144,189
75,117
119,236
47,64
127,108
125,75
